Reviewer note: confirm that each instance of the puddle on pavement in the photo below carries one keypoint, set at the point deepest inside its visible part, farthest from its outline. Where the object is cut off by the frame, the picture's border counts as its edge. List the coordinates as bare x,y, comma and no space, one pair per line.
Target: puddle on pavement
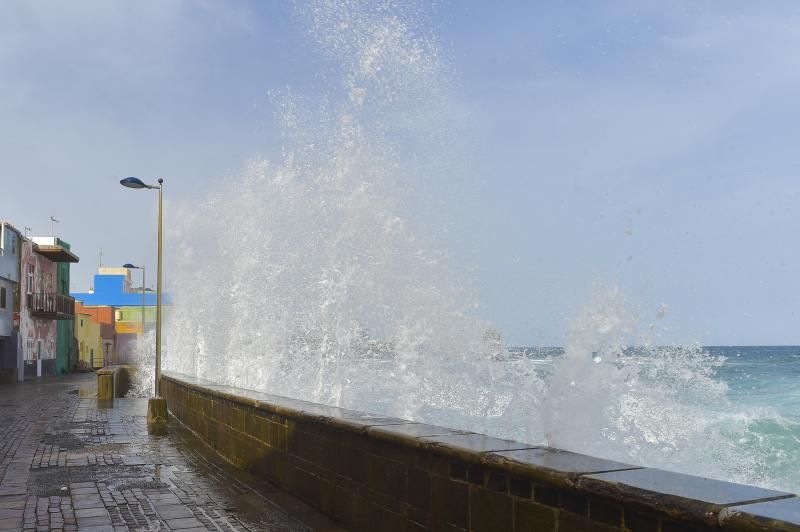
50,481
87,392
64,440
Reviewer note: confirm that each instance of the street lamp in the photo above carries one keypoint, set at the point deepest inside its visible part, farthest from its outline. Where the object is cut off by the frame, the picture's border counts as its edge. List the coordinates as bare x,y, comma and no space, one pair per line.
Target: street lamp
157,406
132,267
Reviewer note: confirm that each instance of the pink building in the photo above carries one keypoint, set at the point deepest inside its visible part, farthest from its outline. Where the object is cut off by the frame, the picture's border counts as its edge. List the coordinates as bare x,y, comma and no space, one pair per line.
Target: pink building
41,305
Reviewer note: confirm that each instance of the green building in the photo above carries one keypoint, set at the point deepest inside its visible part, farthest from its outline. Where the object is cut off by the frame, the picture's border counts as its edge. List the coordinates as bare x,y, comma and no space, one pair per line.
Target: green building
65,332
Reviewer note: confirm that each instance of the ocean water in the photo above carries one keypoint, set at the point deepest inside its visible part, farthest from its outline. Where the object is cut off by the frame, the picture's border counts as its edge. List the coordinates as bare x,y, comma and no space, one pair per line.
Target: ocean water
751,423
764,383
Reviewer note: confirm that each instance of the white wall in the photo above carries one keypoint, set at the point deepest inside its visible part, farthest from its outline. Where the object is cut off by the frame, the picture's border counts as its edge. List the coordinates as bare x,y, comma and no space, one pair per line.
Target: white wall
7,314
9,254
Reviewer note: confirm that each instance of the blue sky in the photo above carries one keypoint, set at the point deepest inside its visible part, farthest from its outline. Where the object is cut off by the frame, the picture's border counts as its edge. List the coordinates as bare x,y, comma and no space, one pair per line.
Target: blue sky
640,144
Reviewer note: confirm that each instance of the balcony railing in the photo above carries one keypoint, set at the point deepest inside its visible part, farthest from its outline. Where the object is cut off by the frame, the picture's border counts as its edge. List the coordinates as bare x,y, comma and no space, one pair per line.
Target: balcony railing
52,305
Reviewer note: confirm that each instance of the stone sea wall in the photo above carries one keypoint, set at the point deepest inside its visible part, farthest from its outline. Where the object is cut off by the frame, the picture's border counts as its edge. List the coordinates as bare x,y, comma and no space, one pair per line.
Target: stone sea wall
370,472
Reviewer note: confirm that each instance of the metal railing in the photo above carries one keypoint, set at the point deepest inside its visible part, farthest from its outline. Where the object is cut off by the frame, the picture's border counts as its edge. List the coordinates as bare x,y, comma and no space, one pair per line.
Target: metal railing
52,305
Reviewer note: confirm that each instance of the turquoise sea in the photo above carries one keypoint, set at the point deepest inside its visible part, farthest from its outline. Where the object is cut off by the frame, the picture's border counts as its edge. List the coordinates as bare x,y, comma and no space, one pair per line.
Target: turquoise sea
764,384
746,430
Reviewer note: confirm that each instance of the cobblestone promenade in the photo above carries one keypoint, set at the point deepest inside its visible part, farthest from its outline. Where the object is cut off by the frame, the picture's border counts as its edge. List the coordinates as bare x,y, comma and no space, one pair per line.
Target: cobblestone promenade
70,462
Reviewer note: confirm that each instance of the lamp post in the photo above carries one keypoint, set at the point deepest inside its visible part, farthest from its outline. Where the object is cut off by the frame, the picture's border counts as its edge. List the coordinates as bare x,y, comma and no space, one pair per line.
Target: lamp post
157,406
132,267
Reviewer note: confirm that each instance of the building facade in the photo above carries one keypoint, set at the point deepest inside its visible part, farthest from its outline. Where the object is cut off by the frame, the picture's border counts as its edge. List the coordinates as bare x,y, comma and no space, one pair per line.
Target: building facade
41,305
89,340
10,252
113,288
96,342
65,329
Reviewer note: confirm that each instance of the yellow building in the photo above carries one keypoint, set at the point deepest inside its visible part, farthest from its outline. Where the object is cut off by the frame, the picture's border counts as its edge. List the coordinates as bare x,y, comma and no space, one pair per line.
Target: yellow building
90,343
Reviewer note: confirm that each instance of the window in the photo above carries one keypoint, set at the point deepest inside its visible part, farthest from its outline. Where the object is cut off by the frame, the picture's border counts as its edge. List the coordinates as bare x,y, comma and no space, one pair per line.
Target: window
29,354
30,278
81,322
3,297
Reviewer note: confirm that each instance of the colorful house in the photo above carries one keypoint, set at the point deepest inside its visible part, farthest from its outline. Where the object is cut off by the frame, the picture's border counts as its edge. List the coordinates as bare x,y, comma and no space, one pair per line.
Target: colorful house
65,333
34,299
10,252
41,305
113,288
99,338
90,342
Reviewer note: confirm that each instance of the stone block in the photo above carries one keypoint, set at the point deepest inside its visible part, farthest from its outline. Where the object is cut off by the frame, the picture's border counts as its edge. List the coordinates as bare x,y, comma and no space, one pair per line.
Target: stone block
439,466
496,481
418,489
344,507
781,515
157,414
105,385
469,447
408,433
576,503
205,406
458,471
490,511
278,436
520,487
572,522
305,446
551,466
683,497
331,452
603,512
532,517
476,475
386,477
217,409
674,526
639,522
304,484
257,426
352,464
411,456
271,464
236,420
450,502
412,526
385,520
212,433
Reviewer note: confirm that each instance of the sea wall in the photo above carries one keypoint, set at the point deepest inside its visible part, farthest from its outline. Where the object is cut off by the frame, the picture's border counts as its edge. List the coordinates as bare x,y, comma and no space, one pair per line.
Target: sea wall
370,472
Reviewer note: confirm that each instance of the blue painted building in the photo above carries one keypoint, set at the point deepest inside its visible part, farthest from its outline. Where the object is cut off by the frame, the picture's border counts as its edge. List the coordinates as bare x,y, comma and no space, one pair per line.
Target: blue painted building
113,287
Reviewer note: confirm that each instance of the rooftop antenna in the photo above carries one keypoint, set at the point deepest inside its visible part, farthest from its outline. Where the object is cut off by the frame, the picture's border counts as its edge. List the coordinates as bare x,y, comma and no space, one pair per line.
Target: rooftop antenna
53,221
101,257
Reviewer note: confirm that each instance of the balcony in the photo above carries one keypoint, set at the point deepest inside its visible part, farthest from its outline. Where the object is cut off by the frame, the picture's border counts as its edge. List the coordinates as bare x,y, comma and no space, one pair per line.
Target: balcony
53,249
52,306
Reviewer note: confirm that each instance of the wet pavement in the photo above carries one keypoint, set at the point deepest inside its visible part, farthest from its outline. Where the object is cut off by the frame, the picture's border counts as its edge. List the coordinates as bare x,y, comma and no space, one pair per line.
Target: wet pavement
71,462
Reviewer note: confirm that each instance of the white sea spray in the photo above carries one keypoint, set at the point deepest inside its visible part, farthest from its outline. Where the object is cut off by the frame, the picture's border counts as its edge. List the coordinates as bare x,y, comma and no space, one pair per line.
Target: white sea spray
310,276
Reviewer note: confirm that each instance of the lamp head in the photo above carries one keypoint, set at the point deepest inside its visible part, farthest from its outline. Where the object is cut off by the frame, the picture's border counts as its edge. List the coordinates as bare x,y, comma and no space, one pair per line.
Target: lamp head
133,182
130,266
